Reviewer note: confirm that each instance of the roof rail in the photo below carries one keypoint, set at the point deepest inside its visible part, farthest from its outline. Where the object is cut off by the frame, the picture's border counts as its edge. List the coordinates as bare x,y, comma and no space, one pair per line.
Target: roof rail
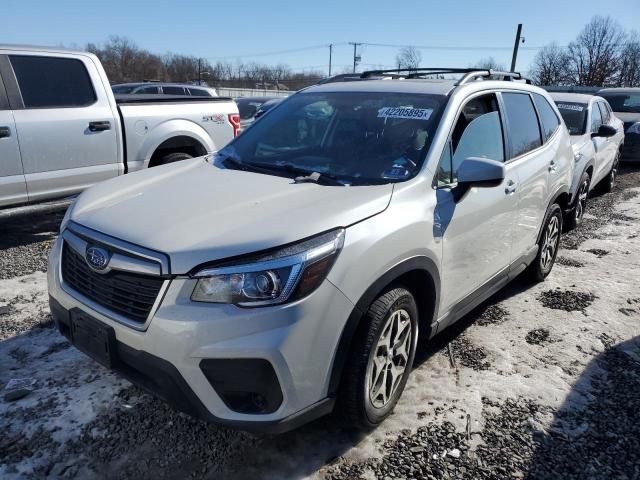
420,72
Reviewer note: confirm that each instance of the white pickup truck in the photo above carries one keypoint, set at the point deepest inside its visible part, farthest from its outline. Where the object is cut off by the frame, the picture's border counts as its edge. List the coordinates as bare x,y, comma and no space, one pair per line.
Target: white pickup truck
62,130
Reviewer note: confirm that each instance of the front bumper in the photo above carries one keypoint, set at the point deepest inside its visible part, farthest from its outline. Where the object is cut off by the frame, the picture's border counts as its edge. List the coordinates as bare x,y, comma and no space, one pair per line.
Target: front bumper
298,341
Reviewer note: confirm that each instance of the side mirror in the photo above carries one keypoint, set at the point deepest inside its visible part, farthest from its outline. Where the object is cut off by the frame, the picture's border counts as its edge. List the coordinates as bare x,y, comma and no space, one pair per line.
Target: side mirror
605,131
478,172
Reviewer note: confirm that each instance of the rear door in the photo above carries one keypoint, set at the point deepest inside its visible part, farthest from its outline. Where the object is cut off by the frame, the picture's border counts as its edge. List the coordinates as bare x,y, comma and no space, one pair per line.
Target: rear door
66,127
13,189
534,165
612,143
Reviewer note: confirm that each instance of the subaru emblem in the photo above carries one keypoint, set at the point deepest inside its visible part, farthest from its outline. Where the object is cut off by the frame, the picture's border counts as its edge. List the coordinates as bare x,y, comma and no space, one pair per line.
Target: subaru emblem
97,257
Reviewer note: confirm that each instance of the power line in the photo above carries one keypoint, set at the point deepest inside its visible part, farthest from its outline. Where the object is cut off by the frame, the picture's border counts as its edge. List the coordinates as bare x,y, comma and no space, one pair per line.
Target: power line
277,52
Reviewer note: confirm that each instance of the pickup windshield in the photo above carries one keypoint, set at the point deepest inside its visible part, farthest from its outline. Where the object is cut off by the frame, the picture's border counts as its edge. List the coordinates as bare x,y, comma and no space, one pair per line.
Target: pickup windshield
359,138
574,116
623,102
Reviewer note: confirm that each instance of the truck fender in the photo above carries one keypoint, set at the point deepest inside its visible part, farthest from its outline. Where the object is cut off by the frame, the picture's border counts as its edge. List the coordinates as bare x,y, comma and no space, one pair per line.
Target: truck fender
171,129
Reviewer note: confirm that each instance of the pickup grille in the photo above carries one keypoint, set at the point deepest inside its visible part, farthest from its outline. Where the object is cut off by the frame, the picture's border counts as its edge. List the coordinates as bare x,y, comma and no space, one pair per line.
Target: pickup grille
130,295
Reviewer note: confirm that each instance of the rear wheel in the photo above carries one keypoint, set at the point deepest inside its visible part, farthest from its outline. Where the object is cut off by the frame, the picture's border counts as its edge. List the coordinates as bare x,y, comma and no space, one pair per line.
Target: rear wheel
575,215
547,245
380,360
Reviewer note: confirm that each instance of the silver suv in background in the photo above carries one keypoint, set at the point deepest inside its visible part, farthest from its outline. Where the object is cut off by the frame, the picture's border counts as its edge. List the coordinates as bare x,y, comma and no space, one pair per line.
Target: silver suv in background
596,137
296,270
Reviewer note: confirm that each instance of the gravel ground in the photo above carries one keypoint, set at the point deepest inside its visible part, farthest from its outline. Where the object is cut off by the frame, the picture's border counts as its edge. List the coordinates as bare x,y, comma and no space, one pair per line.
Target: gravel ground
540,382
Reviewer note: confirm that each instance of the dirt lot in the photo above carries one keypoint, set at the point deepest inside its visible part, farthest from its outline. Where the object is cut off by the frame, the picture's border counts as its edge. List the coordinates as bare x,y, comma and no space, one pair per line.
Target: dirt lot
541,382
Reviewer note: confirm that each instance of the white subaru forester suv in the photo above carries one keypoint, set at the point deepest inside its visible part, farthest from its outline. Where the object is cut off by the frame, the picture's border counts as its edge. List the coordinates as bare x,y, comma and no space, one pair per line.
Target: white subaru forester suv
297,268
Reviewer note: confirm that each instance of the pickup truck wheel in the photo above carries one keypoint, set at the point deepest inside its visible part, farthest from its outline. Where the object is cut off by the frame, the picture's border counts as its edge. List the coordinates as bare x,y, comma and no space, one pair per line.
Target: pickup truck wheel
574,218
380,360
547,245
173,157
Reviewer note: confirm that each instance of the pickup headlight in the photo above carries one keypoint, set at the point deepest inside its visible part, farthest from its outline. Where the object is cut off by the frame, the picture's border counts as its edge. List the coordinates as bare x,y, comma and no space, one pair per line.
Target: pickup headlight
284,275
635,128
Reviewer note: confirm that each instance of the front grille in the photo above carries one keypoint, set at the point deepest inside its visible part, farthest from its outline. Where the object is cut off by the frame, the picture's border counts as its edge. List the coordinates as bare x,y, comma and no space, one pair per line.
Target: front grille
130,295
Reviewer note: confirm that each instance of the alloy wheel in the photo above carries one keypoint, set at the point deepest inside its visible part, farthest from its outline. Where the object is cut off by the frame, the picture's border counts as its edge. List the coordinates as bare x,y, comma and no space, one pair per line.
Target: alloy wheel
389,359
583,193
550,244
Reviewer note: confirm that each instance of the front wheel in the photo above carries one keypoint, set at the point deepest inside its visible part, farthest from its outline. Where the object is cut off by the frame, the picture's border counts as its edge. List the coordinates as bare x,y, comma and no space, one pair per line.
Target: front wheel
547,245
380,359
610,180
575,215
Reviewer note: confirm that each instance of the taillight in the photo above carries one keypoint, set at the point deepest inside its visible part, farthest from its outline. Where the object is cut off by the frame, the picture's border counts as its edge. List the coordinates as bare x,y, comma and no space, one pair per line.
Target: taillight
234,120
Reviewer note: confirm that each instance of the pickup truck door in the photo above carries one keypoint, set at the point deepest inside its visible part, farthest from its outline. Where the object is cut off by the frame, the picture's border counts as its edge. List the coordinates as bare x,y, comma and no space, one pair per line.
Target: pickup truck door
67,130
13,188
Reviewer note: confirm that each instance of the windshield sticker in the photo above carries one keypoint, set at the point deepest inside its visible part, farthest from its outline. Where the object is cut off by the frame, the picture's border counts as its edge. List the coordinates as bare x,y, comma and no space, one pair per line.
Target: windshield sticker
397,172
564,106
405,112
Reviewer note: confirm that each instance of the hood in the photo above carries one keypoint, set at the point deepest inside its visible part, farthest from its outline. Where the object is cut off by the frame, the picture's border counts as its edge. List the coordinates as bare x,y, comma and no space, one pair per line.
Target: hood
196,212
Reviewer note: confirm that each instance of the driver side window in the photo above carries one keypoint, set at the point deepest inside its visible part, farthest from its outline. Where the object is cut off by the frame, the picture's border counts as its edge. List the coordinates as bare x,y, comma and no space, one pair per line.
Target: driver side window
477,133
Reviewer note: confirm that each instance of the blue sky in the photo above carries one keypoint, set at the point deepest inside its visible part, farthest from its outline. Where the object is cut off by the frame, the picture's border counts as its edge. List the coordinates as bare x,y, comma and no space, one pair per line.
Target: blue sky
241,30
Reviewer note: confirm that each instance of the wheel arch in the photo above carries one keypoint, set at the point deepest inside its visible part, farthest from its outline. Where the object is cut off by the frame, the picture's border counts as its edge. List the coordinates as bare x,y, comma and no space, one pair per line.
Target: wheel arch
562,198
420,276
179,143
176,132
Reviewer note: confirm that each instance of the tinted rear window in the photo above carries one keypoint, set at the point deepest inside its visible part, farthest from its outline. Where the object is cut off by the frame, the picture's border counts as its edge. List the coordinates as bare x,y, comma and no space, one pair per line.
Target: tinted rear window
523,123
48,82
173,90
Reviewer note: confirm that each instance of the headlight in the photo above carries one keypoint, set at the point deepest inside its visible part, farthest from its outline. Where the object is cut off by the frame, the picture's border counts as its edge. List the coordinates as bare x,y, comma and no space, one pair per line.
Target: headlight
285,275
67,215
635,128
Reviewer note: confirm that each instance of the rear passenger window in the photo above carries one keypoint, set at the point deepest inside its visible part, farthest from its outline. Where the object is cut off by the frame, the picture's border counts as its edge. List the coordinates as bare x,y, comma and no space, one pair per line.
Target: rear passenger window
148,90
548,116
198,92
173,91
477,133
49,82
523,123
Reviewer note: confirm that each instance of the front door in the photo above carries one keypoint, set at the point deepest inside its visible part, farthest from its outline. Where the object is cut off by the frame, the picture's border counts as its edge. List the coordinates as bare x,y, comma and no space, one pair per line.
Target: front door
476,231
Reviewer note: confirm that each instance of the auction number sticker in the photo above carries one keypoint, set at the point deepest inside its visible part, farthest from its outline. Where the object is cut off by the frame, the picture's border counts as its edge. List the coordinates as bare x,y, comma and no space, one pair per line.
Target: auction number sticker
565,106
405,112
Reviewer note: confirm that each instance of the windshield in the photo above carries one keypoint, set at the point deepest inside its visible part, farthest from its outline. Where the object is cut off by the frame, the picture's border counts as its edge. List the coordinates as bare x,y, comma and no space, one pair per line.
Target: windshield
362,138
122,89
623,102
574,116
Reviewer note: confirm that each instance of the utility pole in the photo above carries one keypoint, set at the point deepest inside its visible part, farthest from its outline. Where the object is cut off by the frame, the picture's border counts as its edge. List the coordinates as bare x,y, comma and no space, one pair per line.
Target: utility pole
199,69
330,52
356,58
516,44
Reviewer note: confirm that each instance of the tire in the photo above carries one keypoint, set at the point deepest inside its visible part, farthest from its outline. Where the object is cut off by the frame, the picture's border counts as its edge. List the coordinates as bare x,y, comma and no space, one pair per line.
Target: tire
368,392
608,182
173,157
547,245
573,219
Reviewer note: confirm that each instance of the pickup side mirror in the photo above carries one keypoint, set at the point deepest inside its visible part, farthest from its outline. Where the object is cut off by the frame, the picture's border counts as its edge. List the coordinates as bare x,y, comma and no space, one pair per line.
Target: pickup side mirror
478,172
605,131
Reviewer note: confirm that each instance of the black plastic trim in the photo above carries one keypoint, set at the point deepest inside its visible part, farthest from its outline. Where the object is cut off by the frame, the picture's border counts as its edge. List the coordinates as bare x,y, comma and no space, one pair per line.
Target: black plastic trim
342,351
162,379
10,84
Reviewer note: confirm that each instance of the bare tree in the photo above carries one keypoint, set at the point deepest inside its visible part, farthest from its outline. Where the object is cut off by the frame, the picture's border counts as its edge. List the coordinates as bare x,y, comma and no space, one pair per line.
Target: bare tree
408,57
630,62
550,66
594,56
489,63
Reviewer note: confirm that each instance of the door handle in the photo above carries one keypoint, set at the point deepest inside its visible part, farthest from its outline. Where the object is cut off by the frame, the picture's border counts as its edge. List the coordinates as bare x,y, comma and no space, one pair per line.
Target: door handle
99,126
552,166
5,132
511,187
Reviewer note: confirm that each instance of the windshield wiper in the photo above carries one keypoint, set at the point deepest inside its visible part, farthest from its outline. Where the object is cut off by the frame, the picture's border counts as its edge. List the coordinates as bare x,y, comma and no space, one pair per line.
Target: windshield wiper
319,178
246,166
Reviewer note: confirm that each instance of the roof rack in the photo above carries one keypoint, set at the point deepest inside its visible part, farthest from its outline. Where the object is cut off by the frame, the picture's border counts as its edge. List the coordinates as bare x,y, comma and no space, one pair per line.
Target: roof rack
408,73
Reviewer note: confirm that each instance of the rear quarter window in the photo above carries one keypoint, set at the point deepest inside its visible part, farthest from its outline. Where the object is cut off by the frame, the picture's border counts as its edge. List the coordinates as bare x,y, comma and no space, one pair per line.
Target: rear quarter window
548,117
52,82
